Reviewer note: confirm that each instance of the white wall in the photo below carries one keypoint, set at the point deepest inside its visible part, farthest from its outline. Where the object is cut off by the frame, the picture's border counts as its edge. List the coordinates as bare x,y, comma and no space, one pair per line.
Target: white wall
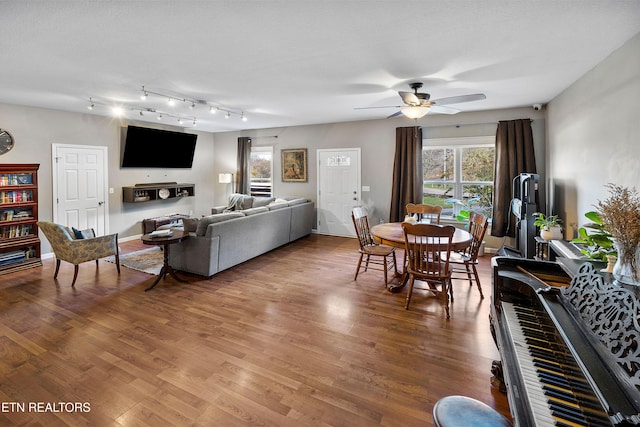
594,135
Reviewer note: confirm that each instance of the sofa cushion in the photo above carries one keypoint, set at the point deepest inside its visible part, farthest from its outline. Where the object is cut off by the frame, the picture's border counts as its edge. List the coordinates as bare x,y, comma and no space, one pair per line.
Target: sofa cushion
190,224
204,222
262,201
274,206
298,201
255,210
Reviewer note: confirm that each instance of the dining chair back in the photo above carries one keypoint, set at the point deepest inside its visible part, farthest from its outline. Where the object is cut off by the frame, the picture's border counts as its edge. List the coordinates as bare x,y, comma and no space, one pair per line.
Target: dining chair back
427,248
464,263
375,256
425,213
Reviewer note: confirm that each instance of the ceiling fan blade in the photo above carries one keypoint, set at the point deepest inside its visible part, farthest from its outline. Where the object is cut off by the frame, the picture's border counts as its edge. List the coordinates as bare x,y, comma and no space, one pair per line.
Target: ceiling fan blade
443,110
396,114
459,99
409,98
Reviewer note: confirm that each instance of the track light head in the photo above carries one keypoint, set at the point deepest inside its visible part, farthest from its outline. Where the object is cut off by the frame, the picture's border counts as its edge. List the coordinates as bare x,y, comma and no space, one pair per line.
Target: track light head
91,104
243,117
228,115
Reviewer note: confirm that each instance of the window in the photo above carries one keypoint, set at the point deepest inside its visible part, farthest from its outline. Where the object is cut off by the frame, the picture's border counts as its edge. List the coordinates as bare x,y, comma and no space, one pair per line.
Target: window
459,169
261,171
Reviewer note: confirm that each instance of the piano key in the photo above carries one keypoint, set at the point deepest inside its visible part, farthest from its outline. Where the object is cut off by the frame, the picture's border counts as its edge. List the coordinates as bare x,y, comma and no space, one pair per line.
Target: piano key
557,392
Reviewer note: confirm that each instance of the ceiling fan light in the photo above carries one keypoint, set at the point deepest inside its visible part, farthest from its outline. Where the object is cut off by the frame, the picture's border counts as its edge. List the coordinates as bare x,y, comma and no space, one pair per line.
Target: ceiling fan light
415,112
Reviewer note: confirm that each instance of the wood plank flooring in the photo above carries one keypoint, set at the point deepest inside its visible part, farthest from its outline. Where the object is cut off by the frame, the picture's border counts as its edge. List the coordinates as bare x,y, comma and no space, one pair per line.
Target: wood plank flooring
286,339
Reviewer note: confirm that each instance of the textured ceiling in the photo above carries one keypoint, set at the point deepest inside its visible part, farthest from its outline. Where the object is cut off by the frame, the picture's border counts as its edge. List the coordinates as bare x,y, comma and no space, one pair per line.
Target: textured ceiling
287,63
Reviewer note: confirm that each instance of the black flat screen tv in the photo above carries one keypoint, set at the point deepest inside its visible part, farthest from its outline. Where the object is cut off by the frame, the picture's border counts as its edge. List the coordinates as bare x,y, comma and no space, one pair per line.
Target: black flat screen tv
155,148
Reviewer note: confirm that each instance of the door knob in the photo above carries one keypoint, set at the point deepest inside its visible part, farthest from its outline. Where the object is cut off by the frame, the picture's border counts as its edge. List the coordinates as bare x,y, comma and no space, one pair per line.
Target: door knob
100,203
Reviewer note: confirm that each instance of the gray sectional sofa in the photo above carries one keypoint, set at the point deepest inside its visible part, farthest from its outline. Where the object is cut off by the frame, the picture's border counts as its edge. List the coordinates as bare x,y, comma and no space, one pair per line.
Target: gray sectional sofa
239,232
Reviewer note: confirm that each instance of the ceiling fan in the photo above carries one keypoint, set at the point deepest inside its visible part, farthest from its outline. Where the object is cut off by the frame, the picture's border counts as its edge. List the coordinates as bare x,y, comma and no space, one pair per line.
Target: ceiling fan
419,104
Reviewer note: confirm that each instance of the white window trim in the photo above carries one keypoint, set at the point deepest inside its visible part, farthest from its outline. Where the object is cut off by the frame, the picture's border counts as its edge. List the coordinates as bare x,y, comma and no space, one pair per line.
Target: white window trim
266,149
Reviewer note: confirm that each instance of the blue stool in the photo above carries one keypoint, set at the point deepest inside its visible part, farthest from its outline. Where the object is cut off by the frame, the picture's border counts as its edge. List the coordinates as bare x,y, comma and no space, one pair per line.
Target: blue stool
462,411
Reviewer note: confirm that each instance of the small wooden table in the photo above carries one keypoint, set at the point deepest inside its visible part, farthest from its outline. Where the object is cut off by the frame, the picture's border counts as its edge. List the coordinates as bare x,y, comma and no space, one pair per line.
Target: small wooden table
391,234
165,241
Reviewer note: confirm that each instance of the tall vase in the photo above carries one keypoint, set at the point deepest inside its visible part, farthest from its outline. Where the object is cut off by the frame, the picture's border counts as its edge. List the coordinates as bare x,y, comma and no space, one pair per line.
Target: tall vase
627,267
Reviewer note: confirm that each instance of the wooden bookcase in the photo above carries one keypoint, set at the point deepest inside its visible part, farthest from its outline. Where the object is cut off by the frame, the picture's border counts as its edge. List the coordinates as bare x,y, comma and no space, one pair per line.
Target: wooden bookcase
19,242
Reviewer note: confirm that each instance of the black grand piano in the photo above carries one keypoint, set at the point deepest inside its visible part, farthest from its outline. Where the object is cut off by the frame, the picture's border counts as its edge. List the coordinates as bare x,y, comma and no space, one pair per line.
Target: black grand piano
569,343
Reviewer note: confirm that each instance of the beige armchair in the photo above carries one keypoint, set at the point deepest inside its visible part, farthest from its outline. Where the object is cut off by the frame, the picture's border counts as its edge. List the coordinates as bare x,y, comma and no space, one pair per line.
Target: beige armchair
67,247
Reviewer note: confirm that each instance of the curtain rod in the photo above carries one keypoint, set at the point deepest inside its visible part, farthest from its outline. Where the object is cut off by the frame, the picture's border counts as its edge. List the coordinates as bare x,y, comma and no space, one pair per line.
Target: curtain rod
459,125
466,124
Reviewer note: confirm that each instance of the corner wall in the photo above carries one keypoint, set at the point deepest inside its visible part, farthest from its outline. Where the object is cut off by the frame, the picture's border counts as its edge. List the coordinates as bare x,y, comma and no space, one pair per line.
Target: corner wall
594,135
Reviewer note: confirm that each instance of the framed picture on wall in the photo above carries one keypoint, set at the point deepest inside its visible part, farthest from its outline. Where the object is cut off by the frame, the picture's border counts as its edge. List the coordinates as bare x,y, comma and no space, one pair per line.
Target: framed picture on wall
294,165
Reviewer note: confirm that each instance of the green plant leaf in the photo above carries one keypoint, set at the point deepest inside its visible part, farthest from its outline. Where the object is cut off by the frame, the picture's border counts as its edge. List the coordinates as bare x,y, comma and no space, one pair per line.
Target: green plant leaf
594,216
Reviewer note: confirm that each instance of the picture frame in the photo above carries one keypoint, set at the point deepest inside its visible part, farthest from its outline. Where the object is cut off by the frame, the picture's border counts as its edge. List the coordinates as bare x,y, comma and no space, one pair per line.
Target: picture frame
294,165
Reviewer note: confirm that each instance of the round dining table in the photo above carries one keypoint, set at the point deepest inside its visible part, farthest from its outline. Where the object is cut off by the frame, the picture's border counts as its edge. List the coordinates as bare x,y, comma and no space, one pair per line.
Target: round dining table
390,233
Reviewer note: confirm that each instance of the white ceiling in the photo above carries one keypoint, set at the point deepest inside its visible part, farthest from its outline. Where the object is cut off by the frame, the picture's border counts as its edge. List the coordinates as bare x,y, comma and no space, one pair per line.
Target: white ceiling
290,62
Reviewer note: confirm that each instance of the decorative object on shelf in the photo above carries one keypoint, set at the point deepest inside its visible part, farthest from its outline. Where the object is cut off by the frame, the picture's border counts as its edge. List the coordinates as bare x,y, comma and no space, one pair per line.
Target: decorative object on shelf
550,226
294,165
164,193
620,214
597,245
6,141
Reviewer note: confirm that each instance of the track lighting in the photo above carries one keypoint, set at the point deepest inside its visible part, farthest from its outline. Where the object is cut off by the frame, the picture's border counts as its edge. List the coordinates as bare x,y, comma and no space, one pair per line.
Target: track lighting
173,100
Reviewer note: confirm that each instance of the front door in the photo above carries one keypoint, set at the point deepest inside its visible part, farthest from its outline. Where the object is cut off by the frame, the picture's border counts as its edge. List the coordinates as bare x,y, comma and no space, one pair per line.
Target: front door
79,187
338,190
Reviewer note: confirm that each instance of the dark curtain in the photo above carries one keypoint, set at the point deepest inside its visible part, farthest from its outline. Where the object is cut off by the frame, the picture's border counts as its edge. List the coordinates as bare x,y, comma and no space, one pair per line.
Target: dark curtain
243,175
407,171
514,155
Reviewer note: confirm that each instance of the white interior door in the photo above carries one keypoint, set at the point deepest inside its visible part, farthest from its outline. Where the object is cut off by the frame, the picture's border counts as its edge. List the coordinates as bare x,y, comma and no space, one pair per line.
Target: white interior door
338,190
80,187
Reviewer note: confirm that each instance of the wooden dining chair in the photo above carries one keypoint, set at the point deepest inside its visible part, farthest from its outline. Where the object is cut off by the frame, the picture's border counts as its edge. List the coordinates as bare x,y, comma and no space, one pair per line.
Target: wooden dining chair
428,247
375,255
425,212
463,263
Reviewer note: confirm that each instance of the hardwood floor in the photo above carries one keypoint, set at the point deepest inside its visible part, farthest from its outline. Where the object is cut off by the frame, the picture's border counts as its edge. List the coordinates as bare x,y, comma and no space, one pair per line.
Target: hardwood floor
286,339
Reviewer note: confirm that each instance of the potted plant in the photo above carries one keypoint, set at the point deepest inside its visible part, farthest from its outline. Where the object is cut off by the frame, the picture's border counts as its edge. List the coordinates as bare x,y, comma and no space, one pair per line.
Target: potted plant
550,226
598,244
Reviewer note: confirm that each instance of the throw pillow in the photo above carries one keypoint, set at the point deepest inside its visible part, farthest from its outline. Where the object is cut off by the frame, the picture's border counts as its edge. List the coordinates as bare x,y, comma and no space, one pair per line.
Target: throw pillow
190,224
83,234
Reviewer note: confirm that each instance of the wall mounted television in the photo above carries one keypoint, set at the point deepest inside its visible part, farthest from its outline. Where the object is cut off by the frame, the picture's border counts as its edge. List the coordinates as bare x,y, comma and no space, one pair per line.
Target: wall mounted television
155,148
